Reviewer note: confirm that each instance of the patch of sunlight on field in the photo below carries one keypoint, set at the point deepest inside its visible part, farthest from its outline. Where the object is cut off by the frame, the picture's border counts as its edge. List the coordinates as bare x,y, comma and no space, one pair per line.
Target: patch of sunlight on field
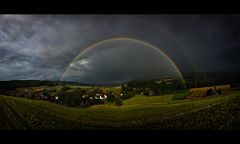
142,100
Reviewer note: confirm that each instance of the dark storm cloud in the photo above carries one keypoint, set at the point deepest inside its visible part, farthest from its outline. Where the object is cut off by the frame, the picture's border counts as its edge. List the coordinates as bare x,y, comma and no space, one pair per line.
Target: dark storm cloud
41,46
24,54
230,39
212,41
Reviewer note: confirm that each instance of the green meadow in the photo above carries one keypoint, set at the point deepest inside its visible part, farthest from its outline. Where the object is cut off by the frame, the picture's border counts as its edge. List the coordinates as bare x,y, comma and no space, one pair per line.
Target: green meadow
167,112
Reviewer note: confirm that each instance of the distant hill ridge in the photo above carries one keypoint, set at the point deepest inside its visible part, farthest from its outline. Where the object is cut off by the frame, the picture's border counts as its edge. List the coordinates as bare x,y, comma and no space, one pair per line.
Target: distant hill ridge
32,83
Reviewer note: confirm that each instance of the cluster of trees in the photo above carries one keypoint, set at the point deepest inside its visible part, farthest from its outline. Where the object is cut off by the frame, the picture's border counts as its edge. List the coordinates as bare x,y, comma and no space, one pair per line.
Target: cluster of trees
84,97
127,92
213,92
78,97
73,96
28,89
38,93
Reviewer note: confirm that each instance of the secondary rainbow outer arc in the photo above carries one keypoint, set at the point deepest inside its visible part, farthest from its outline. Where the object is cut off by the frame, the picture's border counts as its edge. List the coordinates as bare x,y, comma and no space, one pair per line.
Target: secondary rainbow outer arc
162,30
166,32
123,38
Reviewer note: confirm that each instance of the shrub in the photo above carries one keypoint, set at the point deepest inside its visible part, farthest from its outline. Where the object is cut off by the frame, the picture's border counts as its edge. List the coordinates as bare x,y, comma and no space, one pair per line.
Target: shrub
219,91
118,101
110,96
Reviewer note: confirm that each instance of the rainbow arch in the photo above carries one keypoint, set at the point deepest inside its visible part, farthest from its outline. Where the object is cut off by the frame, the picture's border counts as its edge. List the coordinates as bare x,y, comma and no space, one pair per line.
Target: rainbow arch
123,38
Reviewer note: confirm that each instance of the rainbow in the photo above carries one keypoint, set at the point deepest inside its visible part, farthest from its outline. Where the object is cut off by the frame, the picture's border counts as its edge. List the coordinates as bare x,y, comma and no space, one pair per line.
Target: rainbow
122,38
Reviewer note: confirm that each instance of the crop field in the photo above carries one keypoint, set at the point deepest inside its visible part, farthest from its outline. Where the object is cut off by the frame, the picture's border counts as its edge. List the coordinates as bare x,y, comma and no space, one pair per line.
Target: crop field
139,112
223,87
206,91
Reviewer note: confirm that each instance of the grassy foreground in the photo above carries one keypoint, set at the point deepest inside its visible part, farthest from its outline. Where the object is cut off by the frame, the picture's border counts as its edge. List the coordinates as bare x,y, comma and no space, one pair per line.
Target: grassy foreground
139,112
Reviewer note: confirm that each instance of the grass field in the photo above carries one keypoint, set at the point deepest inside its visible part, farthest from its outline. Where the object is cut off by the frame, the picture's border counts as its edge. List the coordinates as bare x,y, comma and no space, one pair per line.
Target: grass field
139,112
165,99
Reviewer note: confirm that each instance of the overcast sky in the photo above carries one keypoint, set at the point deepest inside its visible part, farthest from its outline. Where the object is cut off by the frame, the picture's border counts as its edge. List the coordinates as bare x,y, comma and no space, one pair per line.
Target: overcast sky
42,46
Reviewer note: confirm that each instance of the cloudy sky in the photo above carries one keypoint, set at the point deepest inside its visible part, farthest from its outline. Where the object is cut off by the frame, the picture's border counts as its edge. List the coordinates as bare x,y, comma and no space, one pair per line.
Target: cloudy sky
43,46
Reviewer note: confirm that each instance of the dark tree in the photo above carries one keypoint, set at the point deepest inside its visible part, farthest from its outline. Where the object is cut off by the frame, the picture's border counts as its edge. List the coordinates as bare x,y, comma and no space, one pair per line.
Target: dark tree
209,92
219,91
118,101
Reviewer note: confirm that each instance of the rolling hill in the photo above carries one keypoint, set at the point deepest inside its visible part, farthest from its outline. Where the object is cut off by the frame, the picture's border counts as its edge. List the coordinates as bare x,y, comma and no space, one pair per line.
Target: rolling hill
139,112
